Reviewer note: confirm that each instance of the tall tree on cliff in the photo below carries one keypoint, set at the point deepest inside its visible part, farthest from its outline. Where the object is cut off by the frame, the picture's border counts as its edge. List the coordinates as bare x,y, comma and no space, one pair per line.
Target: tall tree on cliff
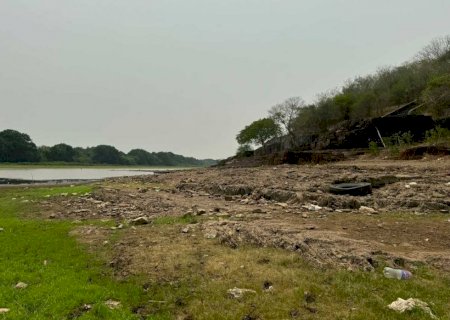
259,132
285,113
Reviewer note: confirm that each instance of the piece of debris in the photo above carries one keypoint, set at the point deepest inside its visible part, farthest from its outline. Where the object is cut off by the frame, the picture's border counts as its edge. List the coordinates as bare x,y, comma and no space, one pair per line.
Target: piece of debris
401,305
139,221
4,310
312,207
112,304
396,273
238,293
21,285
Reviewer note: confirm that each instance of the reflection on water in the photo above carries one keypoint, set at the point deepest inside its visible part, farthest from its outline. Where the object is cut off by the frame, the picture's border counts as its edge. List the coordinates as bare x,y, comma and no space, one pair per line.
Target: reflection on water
42,174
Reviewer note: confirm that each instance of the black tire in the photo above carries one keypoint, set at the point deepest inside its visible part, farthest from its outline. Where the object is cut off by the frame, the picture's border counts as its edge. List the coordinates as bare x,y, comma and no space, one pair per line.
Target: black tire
353,189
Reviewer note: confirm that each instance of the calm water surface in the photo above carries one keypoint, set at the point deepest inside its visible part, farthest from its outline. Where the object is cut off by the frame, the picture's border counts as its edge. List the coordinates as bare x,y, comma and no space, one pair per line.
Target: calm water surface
42,174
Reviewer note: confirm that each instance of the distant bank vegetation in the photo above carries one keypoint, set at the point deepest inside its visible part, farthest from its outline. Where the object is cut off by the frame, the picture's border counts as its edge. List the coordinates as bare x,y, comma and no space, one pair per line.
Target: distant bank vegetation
425,79
17,147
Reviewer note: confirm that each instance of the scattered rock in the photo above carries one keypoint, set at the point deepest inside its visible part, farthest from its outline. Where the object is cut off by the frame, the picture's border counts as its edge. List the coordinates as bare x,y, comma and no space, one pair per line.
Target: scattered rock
312,207
139,221
238,293
228,198
282,204
258,210
4,310
112,304
52,216
364,209
21,285
310,227
201,211
186,230
211,234
400,305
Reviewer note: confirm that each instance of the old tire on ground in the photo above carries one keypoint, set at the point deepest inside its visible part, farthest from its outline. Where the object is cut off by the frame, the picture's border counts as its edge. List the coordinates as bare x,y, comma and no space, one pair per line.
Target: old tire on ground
354,189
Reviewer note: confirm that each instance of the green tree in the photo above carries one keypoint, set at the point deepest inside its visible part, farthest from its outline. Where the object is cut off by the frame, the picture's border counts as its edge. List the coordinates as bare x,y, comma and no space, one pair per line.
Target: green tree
437,95
61,152
259,132
104,154
142,157
17,147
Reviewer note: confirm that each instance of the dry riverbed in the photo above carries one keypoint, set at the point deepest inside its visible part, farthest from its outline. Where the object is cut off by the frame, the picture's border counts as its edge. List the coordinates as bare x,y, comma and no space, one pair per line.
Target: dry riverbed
177,222
290,207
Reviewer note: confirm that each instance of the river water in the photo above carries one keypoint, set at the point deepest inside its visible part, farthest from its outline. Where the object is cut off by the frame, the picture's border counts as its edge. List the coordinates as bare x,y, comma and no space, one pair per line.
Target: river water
46,174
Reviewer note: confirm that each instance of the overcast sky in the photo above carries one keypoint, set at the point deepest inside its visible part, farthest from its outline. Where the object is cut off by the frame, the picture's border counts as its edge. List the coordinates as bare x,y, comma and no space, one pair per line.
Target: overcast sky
186,75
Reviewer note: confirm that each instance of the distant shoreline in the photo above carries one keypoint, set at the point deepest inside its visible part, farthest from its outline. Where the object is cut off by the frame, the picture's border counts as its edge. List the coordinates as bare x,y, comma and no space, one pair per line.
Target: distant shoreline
80,165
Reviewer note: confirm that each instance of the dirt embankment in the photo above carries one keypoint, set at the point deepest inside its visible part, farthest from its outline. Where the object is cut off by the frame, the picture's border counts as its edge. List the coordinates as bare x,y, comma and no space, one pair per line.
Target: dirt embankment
405,220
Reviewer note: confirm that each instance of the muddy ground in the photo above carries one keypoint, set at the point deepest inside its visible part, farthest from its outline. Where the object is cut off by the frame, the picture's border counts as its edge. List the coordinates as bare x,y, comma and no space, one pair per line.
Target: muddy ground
406,222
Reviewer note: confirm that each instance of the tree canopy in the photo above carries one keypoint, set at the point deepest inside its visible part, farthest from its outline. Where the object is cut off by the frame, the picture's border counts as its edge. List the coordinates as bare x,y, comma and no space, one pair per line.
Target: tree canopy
17,147
259,132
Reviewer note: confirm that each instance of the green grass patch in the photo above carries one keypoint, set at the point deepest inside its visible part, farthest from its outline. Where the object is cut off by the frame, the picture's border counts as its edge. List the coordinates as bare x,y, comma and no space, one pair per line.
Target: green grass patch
60,274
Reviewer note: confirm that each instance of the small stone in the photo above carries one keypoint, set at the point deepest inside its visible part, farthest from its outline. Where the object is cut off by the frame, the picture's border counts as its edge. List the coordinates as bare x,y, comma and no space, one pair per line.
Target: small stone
310,227
52,216
228,198
4,310
364,209
312,207
282,204
1,229
201,211
185,230
21,285
238,293
139,221
112,304
211,234
304,215
258,210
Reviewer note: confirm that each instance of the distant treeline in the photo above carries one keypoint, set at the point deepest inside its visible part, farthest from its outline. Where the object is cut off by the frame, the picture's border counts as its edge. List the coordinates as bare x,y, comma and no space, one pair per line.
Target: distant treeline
18,147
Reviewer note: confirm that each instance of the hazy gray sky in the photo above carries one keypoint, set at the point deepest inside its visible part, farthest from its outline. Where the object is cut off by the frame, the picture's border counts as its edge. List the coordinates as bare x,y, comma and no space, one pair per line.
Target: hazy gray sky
186,75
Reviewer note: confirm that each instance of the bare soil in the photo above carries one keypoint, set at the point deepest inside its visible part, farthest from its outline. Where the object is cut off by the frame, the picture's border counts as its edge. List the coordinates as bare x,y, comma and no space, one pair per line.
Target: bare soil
268,207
